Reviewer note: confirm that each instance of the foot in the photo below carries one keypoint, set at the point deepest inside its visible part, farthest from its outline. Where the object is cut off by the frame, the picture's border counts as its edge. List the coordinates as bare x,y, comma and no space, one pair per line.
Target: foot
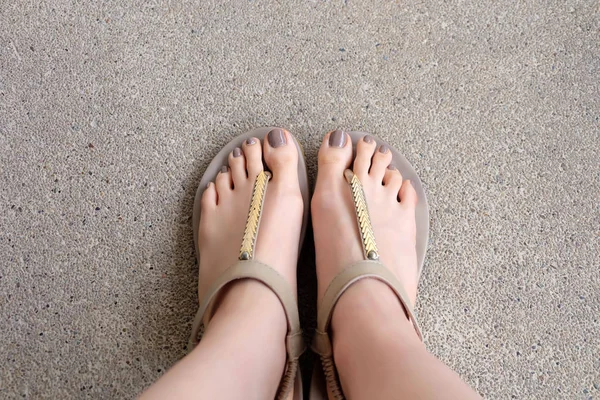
391,201
225,205
248,325
377,353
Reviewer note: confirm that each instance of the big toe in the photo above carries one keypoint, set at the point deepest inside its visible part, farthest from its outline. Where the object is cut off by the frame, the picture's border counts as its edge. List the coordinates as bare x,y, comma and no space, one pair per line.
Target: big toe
335,155
281,156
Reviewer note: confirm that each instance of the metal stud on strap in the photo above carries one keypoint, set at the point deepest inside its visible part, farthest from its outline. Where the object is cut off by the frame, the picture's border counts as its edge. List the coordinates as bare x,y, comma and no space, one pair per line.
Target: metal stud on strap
254,214
362,216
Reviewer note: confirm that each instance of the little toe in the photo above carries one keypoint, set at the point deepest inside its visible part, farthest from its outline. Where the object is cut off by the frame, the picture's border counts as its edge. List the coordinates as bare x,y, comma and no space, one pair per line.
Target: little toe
408,195
392,179
209,197
223,182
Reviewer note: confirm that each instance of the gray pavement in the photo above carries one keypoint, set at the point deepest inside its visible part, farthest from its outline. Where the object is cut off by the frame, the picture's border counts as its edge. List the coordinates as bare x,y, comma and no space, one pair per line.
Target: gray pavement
109,113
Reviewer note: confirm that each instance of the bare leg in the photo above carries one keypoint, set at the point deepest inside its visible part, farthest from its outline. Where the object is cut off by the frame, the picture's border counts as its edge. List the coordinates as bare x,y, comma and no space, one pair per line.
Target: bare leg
242,353
376,350
387,360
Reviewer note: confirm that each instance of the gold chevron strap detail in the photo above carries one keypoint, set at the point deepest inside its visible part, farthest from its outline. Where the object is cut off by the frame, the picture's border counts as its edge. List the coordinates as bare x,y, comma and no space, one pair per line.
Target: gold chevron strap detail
254,214
362,216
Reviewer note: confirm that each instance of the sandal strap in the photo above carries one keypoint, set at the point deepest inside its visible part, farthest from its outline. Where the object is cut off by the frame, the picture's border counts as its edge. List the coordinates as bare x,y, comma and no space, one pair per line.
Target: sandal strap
254,215
260,272
349,276
321,342
362,216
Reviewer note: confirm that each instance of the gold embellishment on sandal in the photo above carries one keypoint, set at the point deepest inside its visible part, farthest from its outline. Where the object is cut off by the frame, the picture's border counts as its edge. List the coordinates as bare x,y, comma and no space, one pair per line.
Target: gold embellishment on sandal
362,216
254,214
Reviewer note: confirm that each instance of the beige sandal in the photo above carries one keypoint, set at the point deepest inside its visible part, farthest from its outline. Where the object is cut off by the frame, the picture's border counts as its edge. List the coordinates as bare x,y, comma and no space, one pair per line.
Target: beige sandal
248,268
370,267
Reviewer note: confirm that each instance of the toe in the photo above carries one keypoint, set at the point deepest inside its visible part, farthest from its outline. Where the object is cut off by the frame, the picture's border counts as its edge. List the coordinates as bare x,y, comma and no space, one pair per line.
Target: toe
335,154
380,162
209,197
364,152
392,179
281,156
408,195
253,155
237,164
223,182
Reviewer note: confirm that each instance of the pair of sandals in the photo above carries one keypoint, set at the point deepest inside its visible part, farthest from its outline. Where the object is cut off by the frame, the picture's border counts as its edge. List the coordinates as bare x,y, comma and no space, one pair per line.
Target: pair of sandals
248,268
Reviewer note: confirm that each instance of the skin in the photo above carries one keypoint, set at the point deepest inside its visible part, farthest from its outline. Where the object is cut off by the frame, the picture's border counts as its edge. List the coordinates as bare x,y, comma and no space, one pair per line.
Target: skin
248,327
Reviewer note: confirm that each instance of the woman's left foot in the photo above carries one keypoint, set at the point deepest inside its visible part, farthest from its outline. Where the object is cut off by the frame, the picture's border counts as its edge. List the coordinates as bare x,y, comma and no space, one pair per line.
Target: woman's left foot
225,205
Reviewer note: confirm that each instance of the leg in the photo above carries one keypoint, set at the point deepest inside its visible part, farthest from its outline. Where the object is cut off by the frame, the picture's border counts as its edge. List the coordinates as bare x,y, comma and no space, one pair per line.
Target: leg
386,361
242,353
376,350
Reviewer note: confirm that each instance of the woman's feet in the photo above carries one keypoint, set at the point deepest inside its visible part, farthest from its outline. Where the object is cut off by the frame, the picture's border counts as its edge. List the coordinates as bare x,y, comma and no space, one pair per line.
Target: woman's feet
376,351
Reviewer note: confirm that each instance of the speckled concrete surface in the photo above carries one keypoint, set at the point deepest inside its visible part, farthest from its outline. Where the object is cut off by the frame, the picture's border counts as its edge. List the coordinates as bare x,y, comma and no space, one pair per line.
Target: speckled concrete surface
108,115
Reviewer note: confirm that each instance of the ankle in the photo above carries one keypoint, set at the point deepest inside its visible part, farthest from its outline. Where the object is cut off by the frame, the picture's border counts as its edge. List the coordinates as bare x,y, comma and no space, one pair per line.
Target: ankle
249,304
370,311
248,328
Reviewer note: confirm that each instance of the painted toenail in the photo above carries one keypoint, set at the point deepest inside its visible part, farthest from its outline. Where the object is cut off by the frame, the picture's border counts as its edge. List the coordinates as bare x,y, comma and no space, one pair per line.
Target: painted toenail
383,149
337,138
223,169
392,167
277,138
368,139
237,152
250,141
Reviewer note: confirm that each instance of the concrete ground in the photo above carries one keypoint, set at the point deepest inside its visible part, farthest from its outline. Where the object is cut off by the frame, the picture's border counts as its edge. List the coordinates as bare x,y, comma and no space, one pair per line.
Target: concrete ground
110,113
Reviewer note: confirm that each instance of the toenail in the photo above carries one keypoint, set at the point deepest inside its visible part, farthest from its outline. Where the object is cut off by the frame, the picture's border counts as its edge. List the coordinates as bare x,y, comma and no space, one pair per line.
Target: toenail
383,149
368,139
392,167
250,141
223,169
277,138
237,152
337,138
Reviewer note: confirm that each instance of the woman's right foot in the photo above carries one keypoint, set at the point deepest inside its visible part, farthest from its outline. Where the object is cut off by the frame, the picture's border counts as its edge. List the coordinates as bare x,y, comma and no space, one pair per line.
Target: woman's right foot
391,203
376,352
368,322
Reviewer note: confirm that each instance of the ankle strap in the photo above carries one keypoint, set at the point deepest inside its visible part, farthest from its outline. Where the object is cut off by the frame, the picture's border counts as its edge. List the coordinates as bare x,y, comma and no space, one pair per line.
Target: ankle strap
260,272
349,276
